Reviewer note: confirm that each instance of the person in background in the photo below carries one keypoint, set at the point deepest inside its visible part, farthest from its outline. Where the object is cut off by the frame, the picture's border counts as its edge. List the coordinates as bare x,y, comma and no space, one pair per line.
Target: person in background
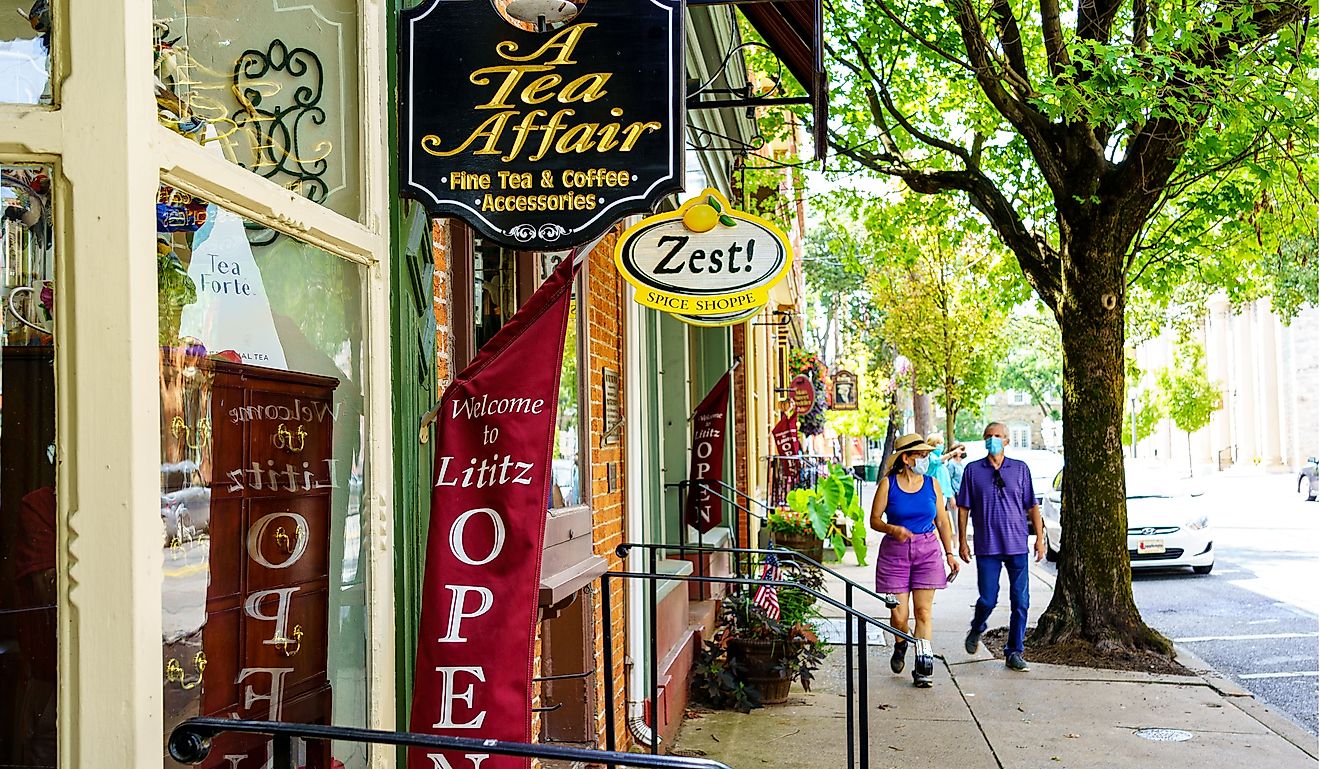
953,462
938,471
918,538
998,496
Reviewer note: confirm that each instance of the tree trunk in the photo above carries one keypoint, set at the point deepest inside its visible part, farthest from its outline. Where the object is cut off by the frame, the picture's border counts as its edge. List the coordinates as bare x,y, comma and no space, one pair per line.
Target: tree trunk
1190,472
950,417
920,410
891,431
1093,592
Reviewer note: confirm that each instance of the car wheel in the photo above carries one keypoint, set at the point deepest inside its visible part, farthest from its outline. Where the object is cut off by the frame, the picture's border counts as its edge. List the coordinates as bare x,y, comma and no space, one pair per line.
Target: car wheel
1203,569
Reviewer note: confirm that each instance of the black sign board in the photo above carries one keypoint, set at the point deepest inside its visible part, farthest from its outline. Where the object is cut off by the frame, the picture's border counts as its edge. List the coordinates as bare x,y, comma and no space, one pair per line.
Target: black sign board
541,140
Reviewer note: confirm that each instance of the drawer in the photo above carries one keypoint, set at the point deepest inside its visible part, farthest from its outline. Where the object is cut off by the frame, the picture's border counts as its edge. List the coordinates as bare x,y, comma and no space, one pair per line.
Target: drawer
286,541
220,644
226,471
225,547
293,434
304,651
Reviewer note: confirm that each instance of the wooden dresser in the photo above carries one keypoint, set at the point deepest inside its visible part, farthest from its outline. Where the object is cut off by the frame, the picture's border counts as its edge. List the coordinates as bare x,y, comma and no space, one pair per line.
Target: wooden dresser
247,474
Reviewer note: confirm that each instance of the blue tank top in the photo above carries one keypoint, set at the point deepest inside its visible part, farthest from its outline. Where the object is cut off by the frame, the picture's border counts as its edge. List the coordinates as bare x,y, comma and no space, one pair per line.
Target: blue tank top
914,511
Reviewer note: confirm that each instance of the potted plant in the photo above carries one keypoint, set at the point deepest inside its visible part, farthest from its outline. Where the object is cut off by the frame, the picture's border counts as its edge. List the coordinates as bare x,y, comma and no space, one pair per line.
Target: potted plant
753,659
833,511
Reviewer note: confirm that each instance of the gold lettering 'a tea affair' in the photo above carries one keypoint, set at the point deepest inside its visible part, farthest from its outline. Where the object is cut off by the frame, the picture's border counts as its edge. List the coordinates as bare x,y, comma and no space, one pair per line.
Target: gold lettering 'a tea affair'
528,81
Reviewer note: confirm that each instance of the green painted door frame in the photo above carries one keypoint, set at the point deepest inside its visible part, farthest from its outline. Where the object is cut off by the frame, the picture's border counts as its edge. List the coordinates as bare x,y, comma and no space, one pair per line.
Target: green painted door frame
414,391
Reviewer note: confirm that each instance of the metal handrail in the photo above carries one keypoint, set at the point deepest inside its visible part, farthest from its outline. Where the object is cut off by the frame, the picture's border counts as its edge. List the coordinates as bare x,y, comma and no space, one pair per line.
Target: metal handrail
190,743
888,600
857,693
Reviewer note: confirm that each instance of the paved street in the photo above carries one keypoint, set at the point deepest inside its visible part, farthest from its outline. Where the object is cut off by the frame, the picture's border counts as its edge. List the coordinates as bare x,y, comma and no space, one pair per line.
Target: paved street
1255,617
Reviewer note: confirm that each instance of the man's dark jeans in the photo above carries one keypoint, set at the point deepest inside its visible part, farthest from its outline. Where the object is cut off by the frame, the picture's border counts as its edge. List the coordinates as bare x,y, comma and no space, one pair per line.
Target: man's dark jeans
987,583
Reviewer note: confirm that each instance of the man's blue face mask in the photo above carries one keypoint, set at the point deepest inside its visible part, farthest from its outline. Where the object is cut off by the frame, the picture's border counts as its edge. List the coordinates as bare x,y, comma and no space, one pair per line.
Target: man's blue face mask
994,445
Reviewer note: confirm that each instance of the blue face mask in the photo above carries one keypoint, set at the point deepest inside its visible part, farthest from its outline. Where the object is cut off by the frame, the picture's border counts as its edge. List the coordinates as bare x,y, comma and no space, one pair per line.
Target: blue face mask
938,452
921,465
994,445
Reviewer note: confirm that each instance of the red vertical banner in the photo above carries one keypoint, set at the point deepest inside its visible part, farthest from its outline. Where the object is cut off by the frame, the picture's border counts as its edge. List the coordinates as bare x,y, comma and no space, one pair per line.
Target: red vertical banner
785,435
483,552
704,510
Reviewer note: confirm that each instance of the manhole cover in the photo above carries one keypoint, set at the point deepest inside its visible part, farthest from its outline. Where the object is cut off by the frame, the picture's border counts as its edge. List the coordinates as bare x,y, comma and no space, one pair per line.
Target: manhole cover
1164,735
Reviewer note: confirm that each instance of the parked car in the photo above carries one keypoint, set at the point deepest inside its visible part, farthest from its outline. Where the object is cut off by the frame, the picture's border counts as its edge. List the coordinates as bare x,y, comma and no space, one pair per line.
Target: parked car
1307,482
1044,465
1164,530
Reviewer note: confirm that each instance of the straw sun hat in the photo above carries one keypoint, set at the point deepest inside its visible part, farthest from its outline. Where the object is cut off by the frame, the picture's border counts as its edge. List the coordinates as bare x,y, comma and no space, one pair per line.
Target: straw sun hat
905,444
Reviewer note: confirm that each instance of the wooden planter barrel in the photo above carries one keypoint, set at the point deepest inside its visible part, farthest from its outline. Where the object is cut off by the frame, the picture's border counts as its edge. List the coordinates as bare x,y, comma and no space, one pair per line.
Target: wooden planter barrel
764,666
807,544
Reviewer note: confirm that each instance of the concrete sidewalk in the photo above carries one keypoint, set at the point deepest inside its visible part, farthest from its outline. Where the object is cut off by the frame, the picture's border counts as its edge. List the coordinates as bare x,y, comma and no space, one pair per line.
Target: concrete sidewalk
980,715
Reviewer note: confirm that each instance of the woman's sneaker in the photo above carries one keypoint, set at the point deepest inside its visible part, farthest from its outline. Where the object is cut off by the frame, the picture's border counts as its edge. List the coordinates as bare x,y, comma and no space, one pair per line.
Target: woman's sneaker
923,665
897,661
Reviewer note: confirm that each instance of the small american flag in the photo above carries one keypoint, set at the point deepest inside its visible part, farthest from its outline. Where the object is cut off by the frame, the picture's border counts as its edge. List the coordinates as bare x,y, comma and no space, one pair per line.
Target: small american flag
767,596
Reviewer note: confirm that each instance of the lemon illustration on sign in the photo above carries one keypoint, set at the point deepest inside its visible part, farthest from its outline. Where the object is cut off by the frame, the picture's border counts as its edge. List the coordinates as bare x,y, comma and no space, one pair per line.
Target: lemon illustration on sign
703,217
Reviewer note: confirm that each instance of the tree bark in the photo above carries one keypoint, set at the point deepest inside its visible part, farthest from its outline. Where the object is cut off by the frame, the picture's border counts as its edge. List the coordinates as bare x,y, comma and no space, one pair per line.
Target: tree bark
891,431
920,410
1093,592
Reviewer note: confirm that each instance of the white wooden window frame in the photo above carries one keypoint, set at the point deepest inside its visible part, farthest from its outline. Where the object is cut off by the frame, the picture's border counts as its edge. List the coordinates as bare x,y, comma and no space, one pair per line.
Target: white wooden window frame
109,154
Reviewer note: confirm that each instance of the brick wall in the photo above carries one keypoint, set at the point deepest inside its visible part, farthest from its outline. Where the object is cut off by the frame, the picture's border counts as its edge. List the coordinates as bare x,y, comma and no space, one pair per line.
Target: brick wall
605,297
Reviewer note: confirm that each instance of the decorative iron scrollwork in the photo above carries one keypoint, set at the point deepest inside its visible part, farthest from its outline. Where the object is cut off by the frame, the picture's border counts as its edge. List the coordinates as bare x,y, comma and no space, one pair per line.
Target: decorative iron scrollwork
279,126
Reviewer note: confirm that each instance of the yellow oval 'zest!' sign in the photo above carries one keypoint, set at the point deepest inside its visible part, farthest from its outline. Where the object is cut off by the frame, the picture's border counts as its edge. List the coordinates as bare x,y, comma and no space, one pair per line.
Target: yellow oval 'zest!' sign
705,262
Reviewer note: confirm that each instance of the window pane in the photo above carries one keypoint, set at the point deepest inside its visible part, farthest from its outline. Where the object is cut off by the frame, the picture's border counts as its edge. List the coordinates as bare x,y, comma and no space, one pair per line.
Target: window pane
495,290
27,472
262,481
567,461
25,51
272,86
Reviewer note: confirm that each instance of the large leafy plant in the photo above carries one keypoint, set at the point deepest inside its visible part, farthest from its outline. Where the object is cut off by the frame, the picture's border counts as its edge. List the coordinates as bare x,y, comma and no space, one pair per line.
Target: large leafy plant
833,508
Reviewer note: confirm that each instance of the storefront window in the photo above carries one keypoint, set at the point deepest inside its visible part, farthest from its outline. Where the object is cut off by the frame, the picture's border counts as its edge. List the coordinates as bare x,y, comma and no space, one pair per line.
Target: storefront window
27,471
494,289
263,476
271,86
567,462
25,52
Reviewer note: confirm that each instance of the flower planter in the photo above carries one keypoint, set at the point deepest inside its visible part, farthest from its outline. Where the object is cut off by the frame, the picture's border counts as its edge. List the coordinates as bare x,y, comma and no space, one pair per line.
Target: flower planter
765,663
807,544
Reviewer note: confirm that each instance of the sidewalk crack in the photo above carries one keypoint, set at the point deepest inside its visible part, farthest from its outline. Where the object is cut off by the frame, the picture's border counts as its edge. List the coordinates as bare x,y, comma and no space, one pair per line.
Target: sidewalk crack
949,669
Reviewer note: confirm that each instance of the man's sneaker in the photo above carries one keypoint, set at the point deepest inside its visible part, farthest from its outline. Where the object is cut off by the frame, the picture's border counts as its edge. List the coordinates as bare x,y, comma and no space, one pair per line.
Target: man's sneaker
972,640
897,661
1014,661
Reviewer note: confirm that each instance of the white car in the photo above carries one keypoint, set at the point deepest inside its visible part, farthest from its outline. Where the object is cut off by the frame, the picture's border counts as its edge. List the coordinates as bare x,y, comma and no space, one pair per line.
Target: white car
1165,527
1044,465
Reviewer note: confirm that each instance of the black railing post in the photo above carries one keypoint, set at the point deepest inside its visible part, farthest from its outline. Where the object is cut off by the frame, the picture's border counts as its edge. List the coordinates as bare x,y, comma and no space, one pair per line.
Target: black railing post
848,651
282,752
606,618
654,661
863,683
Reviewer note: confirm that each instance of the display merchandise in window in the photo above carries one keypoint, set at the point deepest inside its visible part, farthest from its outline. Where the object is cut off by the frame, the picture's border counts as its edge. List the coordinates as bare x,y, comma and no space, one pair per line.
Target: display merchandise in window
28,511
262,481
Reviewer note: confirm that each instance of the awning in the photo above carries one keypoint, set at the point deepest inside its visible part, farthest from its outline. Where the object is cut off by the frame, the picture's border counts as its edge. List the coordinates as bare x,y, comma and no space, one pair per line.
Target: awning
793,29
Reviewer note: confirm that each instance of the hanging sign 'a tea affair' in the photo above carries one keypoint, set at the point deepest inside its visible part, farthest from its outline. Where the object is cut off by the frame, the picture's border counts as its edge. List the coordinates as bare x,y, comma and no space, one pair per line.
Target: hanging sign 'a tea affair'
541,140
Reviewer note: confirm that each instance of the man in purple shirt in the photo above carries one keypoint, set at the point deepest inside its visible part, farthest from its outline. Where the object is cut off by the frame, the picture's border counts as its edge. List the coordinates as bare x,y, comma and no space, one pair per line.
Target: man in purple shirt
997,493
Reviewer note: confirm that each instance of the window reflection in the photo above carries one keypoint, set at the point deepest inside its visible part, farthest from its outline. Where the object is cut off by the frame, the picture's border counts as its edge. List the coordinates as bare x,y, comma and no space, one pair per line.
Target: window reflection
27,472
25,52
262,481
270,86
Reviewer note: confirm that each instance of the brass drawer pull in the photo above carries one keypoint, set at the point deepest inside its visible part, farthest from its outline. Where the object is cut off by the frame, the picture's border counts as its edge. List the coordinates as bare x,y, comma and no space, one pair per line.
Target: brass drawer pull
174,672
203,432
296,642
283,439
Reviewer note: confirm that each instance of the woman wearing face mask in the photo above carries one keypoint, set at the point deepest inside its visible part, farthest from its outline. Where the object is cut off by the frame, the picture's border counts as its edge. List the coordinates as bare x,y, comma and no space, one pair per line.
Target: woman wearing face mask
917,546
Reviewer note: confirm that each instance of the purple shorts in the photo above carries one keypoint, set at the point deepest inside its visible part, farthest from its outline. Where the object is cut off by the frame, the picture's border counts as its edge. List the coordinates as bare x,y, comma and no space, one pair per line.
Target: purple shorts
918,564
